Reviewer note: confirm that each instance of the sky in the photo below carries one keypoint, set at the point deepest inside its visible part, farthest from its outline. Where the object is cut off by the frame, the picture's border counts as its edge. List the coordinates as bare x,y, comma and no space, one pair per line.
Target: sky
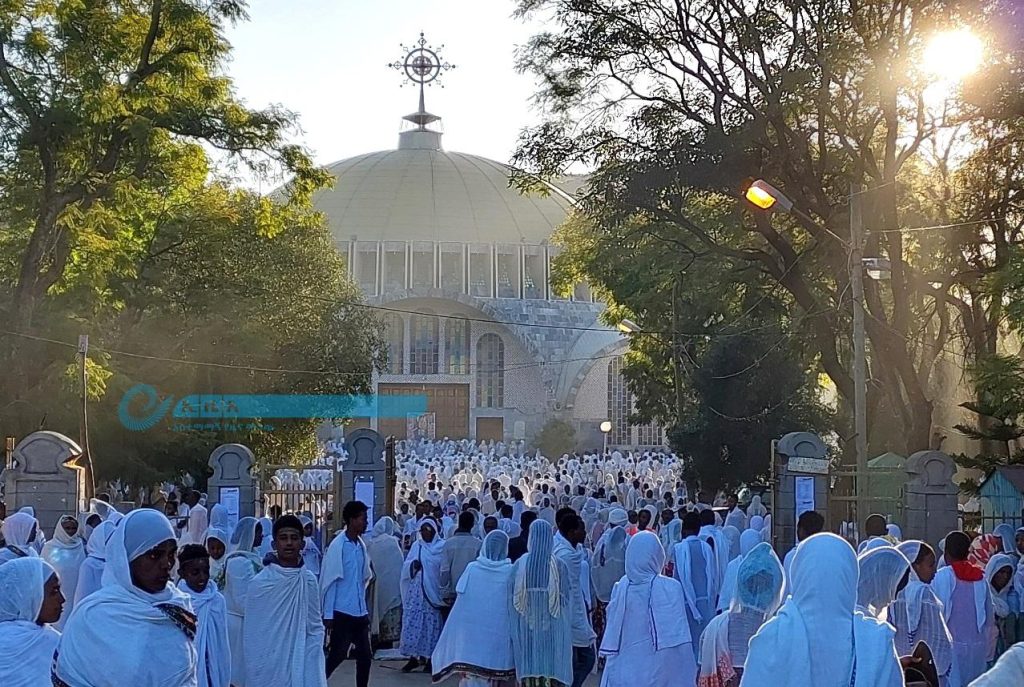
326,61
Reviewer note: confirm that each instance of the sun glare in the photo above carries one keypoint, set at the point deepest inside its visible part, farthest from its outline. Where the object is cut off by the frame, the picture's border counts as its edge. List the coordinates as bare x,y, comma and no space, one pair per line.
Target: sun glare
952,55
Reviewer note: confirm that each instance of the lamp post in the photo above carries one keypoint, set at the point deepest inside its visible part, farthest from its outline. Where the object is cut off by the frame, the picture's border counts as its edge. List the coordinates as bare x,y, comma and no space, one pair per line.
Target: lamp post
606,427
766,197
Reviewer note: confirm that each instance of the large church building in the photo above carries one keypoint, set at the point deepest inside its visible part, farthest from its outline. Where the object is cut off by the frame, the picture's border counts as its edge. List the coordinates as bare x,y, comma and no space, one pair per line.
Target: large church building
458,264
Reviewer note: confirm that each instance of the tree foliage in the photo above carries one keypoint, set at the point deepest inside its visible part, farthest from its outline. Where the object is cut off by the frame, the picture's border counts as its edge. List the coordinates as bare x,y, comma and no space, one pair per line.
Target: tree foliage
741,385
671,100
116,224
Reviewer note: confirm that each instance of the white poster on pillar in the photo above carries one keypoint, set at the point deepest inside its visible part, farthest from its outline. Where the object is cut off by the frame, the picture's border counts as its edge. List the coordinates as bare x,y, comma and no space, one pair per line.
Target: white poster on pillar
804,495
364,492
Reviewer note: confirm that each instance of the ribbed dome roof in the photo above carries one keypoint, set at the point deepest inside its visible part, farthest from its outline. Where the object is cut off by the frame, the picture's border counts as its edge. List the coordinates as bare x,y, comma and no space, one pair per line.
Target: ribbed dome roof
430,195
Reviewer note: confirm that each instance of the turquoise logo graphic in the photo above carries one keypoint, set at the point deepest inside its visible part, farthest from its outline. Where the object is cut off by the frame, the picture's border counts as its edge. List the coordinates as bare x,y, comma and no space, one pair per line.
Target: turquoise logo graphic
151,412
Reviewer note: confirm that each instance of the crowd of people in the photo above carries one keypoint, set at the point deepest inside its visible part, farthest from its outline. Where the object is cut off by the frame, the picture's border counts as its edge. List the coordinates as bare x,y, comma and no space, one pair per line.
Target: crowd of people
505,570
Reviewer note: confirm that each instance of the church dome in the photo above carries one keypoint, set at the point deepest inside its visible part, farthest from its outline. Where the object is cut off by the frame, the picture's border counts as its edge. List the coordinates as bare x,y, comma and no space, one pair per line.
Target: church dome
422,193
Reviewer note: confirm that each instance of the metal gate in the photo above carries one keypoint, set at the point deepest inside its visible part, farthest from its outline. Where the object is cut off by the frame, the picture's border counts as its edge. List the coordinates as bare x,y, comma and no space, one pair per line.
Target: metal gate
884,496
300,489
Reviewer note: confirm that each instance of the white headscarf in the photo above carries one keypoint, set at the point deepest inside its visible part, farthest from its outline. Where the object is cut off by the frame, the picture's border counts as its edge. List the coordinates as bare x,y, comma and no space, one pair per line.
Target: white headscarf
880,572
645,559
155,631
429,554
65,553
915,589
1000,604
26,648
18,528
608,563
817,639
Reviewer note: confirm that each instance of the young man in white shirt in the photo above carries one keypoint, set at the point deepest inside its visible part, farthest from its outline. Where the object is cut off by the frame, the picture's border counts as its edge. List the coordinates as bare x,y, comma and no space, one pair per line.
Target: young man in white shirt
345,576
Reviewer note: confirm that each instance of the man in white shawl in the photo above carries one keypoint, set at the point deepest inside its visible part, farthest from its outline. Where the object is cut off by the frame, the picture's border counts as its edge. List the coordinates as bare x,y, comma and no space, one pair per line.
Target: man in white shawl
607,566
817,639
346,575
212,649
283,628
19,531
736,517
241,566
137,628
386,561
566,549
967,609
198,520
917,614
541,618
65,551
695,566
646,640
30,599
421,597
476,641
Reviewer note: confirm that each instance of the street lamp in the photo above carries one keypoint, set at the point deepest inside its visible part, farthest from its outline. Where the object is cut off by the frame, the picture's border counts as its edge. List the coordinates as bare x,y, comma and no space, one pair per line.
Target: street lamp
765,196
606,427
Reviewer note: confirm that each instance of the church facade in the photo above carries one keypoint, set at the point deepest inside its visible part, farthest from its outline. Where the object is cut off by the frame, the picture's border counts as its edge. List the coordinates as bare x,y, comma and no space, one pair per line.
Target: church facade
457,265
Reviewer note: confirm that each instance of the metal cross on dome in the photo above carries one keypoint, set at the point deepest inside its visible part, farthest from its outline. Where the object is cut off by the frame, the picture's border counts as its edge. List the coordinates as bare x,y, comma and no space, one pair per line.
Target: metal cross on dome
422,63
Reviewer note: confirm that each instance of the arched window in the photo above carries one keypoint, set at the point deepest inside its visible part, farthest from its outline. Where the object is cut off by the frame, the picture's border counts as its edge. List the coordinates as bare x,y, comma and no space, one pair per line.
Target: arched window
394,330
423,336
490,372
456,345
619,404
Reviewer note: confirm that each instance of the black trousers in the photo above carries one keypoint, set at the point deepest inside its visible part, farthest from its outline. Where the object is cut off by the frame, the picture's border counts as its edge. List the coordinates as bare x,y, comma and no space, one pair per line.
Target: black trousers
351,631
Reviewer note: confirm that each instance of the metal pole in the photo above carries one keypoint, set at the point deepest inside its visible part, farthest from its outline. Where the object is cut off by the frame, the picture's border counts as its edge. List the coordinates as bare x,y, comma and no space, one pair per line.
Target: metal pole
83,427
677,363
860,419
605,443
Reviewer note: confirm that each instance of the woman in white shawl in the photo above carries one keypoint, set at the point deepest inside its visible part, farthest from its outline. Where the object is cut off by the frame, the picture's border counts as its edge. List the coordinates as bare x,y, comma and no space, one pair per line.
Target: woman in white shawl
647,640
30,598
999,576
19,531
65,552
757,594
756,509
216,542
748,540
90,573
477,638
541,621
386,558
138,628
817,639
607,566
242,564
917,613
883,572
421,597
220,519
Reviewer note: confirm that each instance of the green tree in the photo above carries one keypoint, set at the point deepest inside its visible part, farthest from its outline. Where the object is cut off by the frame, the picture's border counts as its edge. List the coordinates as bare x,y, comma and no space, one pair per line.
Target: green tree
713,359
665,100
94,101
116,224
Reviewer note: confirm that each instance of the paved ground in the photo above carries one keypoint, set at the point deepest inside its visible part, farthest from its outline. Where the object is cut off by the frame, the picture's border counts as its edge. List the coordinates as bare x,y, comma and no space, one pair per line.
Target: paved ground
387,674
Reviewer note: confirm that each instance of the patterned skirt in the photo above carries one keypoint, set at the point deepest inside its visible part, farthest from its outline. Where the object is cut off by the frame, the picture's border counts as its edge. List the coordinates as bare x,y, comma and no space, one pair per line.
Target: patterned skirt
390,626
600,618
421,624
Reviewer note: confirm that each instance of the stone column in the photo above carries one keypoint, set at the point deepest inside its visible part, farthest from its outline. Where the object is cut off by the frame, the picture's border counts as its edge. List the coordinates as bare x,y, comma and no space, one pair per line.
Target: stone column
799,457
930,497
43,477
232,482
363,476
